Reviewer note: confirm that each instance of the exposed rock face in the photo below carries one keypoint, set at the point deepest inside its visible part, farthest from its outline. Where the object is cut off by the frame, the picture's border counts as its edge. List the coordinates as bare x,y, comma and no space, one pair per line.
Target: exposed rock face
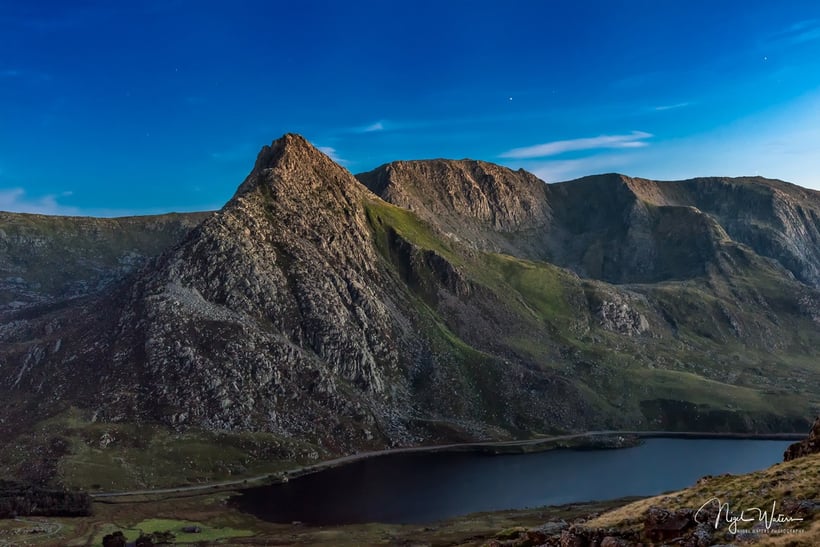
618,316
810,445
279,314
271,314
489,206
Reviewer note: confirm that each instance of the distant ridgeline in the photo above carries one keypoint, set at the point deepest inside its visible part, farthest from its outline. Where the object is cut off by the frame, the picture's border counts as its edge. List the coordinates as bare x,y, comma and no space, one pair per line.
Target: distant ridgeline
18,499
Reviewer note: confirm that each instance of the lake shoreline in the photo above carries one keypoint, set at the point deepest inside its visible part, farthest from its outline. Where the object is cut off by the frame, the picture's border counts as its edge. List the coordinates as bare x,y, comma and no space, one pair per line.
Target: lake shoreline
463,481
581,441
572,441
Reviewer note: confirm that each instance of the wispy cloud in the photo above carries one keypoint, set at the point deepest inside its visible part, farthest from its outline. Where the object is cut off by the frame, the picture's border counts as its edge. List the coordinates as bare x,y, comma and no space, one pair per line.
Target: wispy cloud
636,139
671,106
330,152
374,127
24,75
806,36
799,32
378,126
15,200
559,170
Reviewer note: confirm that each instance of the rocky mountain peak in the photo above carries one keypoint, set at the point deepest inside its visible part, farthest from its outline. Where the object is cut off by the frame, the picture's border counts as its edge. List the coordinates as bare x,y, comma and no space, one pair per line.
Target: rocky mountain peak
293,162
290,145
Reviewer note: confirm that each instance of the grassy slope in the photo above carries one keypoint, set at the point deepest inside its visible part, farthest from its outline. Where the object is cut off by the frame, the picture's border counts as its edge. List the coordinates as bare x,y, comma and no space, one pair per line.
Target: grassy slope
795,480
110,457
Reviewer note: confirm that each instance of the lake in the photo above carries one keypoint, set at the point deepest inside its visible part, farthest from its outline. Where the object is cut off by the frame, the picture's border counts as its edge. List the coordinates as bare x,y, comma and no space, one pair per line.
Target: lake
426,487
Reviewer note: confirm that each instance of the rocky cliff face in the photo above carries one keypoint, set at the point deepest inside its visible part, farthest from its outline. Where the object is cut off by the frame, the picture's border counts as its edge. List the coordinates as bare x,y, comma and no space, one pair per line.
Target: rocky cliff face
489,206
776,219
311,310
271,314
279,314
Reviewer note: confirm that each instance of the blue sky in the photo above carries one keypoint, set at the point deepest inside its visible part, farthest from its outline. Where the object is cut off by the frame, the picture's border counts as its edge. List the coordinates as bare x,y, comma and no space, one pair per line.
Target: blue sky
113,108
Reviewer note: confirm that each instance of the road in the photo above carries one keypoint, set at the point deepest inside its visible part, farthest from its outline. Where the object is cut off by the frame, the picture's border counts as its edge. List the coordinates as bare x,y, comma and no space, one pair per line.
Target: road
443,447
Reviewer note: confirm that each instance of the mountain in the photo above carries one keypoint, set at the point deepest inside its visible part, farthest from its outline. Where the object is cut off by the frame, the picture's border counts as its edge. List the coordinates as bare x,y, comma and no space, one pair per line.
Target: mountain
310,317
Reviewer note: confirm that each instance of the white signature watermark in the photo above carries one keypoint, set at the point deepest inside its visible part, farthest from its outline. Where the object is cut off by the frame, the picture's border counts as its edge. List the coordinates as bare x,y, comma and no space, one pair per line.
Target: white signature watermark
749,514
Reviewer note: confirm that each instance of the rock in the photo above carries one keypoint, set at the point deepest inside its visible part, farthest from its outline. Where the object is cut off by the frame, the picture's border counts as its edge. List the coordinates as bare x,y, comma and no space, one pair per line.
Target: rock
475,202
661,524
620,317
573,538
553,527
117,539
535,537
810,445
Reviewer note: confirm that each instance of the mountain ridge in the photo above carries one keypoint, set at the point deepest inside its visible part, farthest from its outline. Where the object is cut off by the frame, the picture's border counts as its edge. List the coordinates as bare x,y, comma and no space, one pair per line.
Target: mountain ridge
632,209
312,313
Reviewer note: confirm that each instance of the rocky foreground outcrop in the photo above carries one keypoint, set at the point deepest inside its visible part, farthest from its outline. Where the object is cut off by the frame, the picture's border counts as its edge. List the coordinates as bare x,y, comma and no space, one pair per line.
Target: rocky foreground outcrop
658,527
810,445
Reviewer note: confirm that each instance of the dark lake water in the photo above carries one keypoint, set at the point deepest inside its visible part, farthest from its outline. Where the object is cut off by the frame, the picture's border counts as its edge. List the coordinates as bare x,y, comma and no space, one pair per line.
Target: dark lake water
420,488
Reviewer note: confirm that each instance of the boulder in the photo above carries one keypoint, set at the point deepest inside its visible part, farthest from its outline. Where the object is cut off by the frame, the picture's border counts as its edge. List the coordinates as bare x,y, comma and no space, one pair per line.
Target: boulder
810,445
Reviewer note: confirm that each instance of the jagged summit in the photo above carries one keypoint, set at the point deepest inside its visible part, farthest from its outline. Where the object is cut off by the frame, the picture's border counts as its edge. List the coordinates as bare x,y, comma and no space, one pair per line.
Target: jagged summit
611,226
289,144
294,162
776,219
508,200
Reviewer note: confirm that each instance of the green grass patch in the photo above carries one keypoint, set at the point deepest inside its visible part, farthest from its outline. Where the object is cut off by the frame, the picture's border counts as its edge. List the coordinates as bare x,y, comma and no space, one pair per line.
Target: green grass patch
541,285
382,215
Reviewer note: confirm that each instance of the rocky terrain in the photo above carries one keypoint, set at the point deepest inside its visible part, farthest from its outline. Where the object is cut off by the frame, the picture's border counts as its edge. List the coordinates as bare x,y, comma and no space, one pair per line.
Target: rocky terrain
313,316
